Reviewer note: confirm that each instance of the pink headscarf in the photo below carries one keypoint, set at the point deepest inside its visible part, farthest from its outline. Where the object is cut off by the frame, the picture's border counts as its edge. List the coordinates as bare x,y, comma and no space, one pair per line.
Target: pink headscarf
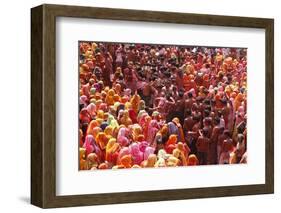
86,90
83,100
240,114
141,118
91,146
152,130
88,144
136,153
127,92
92,109
143,145
122,137
103,107
149,150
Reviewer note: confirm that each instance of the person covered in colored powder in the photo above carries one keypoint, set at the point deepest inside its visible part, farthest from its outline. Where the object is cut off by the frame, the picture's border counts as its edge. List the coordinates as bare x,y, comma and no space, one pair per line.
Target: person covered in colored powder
146,106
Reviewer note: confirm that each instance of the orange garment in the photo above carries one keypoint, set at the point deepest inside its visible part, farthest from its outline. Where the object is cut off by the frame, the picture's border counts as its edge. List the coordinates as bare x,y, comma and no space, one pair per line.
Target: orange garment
124,99
172,140
171,144
126,120
95,131
135,101
100,114
109,100
219,57
116,98
126,161
140,138
238,100
145,126
186,82
82,161
111,148
218,101
91,126
183,148
190,69
109,130
136,131
99,120
102,140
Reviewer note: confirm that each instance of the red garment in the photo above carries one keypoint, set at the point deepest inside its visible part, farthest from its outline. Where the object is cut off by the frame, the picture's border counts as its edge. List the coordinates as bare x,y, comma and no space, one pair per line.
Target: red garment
133,116
202,144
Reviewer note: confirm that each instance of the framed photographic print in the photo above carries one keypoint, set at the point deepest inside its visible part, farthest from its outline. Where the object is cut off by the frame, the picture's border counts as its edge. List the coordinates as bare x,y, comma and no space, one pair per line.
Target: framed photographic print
135,106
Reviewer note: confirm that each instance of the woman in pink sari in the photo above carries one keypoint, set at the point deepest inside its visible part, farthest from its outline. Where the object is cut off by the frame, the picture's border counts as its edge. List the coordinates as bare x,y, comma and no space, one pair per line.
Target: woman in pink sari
148,150
122,138
92,109
137,155
153,128
91,146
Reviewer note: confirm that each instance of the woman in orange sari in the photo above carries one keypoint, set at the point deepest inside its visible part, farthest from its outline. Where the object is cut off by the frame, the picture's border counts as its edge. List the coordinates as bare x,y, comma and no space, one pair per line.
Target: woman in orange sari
135,101
126,161
171,144
91,126
126,120
102,140
112,149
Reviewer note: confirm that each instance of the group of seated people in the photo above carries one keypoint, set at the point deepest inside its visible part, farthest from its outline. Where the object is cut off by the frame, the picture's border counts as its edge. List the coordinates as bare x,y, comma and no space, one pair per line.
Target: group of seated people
146,105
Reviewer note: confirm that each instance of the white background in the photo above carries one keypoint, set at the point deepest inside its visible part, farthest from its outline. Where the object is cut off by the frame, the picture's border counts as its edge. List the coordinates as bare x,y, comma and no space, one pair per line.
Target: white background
70,30
15,105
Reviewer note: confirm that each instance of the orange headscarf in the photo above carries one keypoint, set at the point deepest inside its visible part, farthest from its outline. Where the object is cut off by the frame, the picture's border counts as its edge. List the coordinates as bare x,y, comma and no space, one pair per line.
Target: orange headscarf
110,97
126,120
172,140
82,162
91,126
135,101
109,130
237,102
126,161
111,148
102,140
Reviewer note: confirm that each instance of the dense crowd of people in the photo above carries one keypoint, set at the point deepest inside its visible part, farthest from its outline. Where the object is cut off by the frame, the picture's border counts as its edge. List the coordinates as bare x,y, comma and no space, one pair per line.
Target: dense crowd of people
146,105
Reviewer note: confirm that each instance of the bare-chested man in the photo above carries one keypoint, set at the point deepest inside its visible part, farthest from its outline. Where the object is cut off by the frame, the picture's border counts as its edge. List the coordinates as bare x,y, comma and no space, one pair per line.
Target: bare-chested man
202,145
